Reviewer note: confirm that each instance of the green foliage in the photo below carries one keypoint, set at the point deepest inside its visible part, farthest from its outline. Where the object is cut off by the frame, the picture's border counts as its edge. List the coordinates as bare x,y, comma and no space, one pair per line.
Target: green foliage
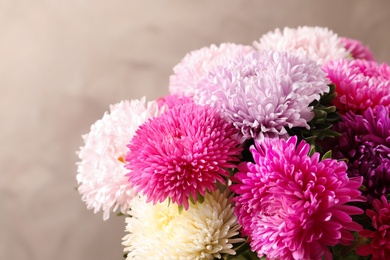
180,208
199,199
325,116
120,214
341,252
327,155
247,255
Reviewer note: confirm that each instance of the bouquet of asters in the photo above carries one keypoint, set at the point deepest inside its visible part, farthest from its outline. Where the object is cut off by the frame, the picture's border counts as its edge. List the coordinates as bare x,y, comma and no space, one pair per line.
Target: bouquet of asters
278,150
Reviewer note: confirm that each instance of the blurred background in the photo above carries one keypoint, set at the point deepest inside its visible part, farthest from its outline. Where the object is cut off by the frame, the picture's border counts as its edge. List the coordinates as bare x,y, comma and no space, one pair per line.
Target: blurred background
62,63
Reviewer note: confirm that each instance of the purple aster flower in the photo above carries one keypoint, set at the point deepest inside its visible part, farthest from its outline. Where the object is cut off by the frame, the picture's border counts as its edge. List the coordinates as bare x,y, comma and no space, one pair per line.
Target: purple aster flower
261,93
365,143
360,84
182,154
292,205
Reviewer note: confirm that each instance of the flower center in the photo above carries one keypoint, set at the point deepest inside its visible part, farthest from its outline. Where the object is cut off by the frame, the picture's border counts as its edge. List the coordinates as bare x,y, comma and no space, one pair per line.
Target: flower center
122,159
165,218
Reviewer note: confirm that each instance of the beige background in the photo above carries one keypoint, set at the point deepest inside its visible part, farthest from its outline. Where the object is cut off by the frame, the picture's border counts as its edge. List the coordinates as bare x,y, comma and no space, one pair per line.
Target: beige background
63,62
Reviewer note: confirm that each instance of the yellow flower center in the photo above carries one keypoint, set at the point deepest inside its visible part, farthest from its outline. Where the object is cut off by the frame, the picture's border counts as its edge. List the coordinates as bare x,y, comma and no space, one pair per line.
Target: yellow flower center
122,158
165,218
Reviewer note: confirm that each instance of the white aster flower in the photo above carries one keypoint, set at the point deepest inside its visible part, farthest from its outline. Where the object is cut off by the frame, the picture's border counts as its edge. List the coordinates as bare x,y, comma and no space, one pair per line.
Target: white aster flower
101,170
205,231
319,44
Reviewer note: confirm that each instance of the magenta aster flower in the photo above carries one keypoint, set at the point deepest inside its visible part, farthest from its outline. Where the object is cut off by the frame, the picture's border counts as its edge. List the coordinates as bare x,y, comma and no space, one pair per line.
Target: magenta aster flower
182,154
319,44
365,142
292,205
264,92
173,100
101,170
379,246
357,49
195,66
360,84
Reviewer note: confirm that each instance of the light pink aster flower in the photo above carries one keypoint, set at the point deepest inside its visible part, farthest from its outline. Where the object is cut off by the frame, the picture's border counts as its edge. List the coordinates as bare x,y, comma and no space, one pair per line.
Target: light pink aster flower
360,84
196,65
379,246
292,205
261,93
320,44
182,154
357,49
101,171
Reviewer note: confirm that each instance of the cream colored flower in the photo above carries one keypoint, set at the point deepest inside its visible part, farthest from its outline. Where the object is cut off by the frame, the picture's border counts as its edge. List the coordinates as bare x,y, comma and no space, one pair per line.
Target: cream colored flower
205,231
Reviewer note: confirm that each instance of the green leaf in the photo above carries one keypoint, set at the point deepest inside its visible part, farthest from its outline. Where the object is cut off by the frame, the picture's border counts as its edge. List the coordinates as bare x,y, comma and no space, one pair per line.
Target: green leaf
327,155
200,199
180,208
343,252
320,113
246,255
312,150
120,214
320,127
192,200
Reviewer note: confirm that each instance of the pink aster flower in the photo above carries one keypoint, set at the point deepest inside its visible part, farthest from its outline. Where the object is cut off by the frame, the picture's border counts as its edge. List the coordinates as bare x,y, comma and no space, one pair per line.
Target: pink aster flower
357,49
261,93
319,44
292,205
171,101
196,65
182,154
360,84
101,171
379,246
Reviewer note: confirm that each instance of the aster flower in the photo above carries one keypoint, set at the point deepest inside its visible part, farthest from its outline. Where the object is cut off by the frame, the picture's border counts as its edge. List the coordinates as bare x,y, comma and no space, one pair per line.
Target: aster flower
365,143
206,230
379,246
101,171
360,84
357,49
173,100
319,44
292,205
262,93
195,66
182,154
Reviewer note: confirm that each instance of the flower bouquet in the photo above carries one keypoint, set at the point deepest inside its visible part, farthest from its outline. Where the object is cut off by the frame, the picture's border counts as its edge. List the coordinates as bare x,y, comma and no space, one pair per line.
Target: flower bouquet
279,150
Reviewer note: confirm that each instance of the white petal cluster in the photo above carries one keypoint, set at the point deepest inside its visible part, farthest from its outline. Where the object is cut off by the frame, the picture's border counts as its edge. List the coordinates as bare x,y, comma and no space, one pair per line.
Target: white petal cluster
205,231
100,172
318,43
